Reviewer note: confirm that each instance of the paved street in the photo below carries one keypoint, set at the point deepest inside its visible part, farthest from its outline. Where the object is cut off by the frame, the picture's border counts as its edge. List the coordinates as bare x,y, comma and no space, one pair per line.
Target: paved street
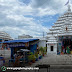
55,60
58,63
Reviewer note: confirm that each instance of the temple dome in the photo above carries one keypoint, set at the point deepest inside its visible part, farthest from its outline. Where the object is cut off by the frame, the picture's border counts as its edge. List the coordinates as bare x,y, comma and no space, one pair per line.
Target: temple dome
52,39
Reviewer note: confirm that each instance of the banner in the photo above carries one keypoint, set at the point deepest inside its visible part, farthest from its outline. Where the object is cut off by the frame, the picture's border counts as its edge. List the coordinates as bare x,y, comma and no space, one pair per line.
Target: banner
16,45
51,44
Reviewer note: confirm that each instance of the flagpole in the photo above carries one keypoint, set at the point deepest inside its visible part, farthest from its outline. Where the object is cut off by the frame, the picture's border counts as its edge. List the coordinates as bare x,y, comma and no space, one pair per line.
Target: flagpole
67,2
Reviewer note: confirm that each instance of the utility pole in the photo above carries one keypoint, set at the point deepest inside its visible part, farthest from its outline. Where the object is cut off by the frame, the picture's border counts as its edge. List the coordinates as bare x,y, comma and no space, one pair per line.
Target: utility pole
43,34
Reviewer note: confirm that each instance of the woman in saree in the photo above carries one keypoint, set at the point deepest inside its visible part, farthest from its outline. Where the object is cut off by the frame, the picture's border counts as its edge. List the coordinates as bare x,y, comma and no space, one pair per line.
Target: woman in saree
68,50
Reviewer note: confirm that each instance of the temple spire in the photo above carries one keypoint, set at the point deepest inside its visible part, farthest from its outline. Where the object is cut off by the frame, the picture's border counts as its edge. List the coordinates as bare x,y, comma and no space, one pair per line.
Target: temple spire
69,7
68,4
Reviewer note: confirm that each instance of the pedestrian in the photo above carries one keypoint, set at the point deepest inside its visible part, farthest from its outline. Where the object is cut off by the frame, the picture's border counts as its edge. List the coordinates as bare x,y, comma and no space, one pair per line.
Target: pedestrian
68,50
15,55
17,61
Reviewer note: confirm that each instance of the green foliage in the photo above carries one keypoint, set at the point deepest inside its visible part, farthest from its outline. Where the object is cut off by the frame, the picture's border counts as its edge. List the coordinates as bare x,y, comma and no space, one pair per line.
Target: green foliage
31,53
40,53
36,54
31,56
43,50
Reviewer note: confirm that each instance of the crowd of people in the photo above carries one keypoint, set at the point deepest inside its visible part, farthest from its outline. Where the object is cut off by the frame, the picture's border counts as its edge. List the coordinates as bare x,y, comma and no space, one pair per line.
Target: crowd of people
67,49
66,46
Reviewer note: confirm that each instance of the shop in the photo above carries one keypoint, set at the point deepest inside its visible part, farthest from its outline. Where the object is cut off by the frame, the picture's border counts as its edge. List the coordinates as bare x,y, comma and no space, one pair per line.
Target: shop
15,45
65,44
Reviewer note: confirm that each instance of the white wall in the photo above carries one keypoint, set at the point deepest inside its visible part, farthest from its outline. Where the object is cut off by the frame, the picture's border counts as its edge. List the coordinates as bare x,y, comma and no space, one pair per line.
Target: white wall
6,53
54,49
42,43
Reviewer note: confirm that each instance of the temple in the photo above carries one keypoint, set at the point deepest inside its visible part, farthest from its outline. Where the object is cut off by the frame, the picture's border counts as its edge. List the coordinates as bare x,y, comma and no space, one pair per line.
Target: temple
60,35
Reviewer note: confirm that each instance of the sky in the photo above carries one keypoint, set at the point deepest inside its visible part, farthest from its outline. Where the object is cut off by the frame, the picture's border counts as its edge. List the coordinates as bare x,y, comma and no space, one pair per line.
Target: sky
30,17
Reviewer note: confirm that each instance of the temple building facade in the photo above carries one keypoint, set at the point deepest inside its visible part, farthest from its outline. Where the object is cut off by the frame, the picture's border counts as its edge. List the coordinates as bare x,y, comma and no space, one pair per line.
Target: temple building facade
60,35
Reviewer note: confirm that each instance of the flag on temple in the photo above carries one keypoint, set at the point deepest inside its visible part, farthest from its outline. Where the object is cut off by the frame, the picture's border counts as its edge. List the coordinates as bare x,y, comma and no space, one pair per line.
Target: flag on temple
67,2
66,28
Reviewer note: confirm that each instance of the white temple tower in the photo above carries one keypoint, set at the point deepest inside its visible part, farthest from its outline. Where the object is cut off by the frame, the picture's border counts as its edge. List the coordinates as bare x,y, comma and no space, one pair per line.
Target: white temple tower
65,19
62,31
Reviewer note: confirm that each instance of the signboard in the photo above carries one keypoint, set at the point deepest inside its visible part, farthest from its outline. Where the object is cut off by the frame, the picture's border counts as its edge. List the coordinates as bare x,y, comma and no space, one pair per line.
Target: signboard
51,44
16,45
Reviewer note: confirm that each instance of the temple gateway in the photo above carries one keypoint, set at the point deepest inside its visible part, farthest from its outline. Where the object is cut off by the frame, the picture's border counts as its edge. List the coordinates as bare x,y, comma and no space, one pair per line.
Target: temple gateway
60,35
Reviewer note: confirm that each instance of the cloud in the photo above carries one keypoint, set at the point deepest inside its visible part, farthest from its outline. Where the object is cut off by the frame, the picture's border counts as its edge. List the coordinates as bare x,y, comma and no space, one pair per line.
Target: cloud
49,7
19,17
13,19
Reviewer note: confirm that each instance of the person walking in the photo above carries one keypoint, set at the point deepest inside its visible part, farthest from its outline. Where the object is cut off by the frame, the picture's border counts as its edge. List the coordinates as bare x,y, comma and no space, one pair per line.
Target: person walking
68,50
